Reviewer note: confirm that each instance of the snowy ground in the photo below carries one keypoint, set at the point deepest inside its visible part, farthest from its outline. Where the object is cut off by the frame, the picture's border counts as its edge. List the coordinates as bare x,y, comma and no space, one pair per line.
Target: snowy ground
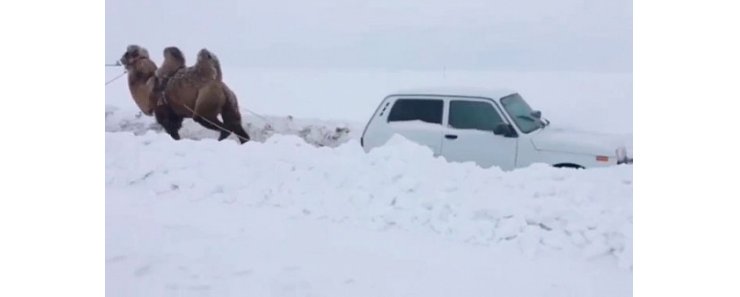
259,127
303,211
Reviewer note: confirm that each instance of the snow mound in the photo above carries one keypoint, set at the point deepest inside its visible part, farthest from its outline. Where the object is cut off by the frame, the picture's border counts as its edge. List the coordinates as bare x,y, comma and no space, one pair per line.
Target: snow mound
260,128
582,214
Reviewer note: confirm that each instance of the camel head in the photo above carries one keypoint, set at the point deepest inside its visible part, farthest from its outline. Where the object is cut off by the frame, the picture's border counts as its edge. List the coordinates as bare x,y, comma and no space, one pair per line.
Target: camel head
141,80
132,54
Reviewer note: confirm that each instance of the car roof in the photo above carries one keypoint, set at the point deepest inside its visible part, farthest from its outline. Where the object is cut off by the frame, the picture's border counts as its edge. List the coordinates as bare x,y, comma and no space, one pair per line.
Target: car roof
493,93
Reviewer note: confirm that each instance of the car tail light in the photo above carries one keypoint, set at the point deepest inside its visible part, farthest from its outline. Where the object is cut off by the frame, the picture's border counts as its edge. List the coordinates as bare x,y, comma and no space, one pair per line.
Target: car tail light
602,158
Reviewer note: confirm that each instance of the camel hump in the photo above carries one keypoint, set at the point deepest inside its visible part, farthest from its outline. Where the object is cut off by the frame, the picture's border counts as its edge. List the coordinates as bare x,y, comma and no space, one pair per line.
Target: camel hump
173,62
217,65
174,53
208,63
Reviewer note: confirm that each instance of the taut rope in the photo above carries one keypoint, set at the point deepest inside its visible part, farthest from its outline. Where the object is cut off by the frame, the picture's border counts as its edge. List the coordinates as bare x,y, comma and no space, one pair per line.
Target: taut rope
115,78
118,63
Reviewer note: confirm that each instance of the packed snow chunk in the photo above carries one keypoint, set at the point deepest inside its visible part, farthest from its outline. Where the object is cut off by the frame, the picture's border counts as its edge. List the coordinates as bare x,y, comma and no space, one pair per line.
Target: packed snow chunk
198,215
583,212
399,143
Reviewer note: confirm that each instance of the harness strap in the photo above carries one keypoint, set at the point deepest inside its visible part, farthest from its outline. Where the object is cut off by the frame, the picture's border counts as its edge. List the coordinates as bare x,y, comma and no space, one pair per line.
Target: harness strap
160,85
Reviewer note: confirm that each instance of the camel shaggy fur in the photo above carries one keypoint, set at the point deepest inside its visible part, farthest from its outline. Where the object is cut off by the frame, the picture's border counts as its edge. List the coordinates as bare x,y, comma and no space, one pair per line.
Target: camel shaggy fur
141,81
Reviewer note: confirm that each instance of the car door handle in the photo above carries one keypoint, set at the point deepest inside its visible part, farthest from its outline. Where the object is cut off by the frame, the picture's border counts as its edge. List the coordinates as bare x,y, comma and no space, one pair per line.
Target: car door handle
451,136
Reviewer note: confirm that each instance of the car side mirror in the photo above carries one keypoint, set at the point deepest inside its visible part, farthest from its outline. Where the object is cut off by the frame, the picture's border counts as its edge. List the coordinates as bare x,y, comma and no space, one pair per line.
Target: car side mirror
537,114
504,129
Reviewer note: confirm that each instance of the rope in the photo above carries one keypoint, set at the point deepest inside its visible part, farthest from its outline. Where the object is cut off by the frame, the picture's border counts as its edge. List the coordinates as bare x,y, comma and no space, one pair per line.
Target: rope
115,78
259,116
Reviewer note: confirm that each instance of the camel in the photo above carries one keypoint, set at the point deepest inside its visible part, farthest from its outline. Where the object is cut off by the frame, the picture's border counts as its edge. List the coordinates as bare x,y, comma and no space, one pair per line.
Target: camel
195,92
141,80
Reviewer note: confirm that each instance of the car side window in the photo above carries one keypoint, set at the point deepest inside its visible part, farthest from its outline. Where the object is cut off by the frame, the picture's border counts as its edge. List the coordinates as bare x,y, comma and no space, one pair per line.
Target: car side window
426,110
476,115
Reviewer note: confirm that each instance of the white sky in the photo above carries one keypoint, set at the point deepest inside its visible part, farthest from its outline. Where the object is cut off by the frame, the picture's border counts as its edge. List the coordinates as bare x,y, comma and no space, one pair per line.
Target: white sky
523,35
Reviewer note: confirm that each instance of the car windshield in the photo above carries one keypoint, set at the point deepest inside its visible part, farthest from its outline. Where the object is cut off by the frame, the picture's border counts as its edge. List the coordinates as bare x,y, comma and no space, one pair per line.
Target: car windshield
520,111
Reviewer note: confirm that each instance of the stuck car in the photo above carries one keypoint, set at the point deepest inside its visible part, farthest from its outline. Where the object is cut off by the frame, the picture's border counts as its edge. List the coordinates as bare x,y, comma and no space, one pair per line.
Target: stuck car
489,127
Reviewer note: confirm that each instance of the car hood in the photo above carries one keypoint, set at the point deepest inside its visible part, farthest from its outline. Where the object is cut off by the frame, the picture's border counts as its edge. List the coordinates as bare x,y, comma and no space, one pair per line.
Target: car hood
579,142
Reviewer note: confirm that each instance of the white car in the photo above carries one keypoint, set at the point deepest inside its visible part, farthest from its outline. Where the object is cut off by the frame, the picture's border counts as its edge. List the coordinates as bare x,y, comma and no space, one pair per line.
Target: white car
488,127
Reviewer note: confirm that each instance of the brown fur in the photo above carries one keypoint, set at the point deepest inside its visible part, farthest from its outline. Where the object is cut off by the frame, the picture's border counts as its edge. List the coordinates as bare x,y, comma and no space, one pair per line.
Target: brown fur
217,65
230,113
173,61
197,88
141,80
183,89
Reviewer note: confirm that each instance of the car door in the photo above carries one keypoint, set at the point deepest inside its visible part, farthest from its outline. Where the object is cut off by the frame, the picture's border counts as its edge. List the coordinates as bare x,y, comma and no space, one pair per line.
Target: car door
469,134
419,120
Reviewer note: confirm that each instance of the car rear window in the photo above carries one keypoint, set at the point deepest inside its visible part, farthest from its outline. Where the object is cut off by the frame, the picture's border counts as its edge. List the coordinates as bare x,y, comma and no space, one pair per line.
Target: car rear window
426,110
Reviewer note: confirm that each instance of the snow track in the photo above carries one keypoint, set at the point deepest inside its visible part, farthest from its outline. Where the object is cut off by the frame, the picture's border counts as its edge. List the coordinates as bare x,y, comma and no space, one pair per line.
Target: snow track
259,128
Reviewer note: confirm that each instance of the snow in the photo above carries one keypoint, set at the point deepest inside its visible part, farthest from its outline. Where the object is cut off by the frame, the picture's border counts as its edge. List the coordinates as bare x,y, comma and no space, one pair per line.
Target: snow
304,211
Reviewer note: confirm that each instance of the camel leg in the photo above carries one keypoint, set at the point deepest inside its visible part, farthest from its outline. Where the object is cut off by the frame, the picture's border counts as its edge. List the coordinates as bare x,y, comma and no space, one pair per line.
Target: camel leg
206,122
174,129
206,111
239,130
169,120
233,122
224,134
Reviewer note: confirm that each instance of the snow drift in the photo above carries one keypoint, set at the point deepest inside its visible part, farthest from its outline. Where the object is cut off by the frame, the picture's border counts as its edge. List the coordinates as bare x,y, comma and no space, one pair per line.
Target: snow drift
173,191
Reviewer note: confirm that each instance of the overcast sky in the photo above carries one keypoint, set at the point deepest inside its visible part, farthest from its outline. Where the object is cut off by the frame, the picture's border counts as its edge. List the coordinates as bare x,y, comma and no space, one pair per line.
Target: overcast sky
522,35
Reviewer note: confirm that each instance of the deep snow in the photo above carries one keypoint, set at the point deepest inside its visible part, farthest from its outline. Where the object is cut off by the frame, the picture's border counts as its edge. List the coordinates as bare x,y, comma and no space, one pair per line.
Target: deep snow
304,211
286,217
